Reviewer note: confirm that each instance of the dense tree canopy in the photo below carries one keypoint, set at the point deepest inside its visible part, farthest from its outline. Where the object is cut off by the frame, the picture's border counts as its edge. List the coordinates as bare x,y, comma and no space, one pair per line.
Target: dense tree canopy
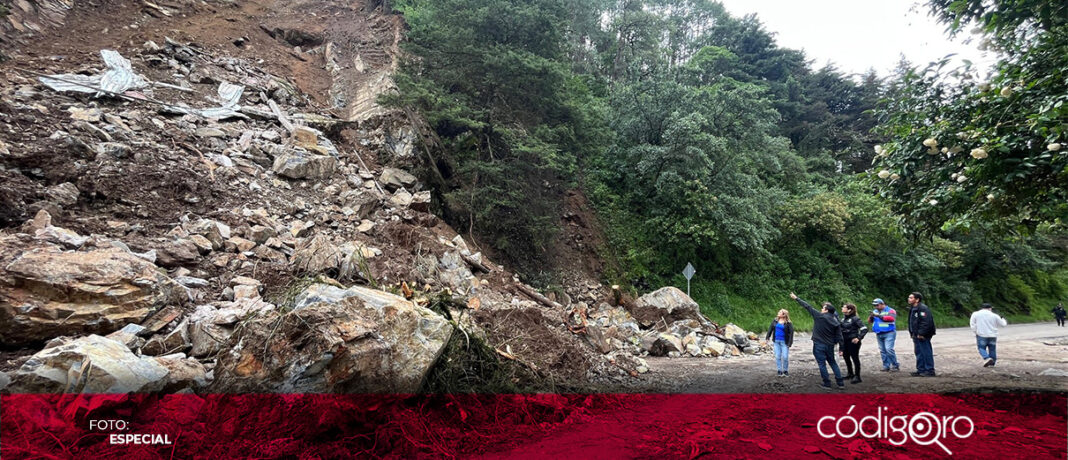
492,79
700,140
963,151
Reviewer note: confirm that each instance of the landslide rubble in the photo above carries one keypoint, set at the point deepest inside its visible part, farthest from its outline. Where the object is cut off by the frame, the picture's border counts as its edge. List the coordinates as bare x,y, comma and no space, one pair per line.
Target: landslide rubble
213,227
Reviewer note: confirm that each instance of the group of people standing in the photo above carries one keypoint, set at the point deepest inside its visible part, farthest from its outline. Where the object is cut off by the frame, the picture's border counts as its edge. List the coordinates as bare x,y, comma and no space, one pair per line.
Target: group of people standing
848,332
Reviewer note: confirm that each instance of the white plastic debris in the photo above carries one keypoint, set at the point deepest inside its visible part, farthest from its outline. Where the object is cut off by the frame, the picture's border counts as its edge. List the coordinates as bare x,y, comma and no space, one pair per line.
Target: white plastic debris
229,97
117,79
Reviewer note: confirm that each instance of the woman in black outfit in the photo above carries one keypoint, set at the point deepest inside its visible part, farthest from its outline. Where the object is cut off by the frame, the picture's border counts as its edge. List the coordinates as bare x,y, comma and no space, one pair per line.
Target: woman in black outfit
853,330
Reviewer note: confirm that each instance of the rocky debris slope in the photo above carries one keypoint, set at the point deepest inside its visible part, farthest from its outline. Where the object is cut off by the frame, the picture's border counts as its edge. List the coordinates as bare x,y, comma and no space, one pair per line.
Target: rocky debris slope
46,292
228,233
354,340
95,364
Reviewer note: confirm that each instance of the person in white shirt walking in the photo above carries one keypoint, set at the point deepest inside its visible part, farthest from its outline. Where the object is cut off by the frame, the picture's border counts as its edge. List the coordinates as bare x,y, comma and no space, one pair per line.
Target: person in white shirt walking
985,325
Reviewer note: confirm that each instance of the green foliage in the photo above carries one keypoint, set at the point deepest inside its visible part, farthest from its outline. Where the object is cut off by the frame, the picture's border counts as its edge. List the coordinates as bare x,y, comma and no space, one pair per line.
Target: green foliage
468,365
512,119
1007,21
997,151
698,139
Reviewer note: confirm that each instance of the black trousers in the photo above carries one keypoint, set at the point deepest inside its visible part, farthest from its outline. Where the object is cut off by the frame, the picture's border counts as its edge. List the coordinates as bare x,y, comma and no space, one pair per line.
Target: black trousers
851,352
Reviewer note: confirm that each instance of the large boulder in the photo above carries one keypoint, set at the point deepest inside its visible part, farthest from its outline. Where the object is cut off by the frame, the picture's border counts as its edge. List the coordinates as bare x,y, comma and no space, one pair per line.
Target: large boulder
182,373
454,272
177,253
91,364
335,341
713,347
393,179
299,165
317,255
46,293
211,326
736,334
667,304
662,344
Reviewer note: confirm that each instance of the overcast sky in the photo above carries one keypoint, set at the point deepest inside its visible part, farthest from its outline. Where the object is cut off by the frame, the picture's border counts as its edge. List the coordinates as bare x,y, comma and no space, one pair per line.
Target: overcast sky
857,35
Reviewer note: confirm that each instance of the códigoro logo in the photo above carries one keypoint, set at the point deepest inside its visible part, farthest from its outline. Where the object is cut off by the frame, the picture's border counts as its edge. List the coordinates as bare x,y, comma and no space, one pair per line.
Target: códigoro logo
923,428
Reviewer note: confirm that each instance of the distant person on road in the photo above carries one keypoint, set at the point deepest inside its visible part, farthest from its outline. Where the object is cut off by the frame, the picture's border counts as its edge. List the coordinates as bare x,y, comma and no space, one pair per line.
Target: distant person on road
883,319
853,331
922,329
826,333
1060,313
985,326
783,331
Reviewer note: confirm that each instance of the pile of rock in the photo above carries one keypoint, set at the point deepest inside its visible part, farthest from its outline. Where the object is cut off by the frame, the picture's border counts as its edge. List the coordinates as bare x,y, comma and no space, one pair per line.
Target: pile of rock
173,222
665,322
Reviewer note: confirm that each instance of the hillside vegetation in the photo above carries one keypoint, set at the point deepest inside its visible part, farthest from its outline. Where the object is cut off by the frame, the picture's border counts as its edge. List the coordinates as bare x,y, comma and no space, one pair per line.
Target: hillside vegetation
699,139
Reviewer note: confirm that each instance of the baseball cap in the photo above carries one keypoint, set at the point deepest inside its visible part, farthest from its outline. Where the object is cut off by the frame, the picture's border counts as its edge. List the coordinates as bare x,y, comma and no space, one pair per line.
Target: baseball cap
877,302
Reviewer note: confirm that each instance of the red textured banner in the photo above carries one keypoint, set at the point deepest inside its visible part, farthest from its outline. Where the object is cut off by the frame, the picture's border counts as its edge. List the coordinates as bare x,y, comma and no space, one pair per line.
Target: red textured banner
534,426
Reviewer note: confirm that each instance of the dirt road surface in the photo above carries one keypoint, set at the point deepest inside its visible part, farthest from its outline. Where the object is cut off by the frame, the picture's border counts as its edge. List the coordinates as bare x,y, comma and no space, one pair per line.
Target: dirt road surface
1024,352
694,426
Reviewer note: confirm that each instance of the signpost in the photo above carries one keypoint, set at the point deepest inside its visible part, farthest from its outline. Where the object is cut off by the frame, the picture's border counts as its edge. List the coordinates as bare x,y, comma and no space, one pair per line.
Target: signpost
688,273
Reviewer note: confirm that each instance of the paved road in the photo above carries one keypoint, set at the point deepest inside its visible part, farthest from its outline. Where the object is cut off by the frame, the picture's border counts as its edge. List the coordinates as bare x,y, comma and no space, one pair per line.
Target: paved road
1024,352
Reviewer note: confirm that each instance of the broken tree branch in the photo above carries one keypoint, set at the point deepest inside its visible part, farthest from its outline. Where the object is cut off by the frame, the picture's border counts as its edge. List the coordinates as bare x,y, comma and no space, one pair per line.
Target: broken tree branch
512,357
530,292
478,266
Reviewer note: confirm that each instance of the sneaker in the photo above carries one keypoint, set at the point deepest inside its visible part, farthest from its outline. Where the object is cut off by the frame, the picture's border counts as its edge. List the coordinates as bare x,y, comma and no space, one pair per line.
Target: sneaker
989,362
915,374
825,386
780,374
895,369
929,374
841,386
848,376
785,373
856,380
886,369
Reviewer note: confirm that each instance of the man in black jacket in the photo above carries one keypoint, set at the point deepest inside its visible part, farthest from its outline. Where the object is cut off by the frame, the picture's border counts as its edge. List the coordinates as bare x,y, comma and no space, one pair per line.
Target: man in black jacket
826,333
922,329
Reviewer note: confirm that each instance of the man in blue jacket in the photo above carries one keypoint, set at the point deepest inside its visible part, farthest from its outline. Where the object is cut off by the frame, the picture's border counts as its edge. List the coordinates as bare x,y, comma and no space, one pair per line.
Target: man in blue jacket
884,319
922,329
826,333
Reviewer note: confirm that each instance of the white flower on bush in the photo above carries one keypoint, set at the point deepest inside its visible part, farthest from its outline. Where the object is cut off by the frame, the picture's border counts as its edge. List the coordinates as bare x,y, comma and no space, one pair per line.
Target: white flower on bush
953,176
1054,147
933,202
1006,91
990,197
979,154
945,149
884,174
879,149
930,142
961,178
955,150
895,176
932,151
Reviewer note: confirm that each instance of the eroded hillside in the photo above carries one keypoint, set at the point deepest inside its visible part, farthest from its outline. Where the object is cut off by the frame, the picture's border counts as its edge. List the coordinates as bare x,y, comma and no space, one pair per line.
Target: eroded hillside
206,196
